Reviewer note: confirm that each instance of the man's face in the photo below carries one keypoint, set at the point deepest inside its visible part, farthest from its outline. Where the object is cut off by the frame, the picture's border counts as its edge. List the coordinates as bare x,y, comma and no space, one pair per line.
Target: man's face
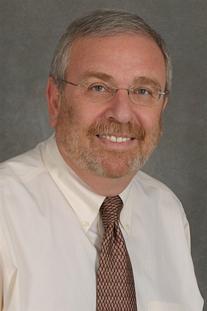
113,138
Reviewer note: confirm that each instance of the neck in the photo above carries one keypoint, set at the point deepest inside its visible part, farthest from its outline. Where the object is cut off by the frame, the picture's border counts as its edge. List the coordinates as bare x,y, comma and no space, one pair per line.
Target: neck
103,185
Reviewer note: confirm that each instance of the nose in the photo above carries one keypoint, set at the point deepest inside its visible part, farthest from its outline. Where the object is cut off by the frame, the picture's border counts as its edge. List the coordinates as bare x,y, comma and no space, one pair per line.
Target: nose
120,107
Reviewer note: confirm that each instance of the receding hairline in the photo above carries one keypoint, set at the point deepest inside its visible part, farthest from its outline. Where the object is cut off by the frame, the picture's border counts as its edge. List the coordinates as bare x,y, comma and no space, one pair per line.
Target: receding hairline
111,34
88,37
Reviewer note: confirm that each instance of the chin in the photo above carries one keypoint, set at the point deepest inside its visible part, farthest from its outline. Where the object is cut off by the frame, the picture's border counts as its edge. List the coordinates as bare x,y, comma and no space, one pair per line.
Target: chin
117,169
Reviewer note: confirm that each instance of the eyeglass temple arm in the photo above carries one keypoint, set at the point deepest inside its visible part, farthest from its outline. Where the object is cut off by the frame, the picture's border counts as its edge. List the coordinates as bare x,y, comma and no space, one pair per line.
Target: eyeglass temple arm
69,82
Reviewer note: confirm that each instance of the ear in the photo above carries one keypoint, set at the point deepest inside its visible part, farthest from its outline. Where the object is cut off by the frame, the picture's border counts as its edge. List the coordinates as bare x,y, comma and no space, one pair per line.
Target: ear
53,101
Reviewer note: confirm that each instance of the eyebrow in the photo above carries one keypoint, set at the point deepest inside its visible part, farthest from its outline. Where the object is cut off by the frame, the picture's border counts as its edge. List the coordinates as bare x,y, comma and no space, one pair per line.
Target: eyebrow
105,77
99,75
148,81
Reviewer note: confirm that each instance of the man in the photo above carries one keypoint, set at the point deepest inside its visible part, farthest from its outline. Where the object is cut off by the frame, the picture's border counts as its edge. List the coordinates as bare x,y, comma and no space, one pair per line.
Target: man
108,87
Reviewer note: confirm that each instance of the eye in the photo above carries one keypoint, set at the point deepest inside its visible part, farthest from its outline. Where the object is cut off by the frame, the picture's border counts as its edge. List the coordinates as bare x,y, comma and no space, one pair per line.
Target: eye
142,91
98,88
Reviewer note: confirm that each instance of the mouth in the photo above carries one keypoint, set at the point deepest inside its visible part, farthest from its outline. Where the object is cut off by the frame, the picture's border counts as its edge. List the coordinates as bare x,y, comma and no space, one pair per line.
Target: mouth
115,139
114,133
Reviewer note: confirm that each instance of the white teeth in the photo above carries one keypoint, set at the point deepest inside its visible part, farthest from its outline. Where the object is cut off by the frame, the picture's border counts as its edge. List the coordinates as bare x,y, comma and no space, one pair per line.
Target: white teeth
112,138
115,139
119,139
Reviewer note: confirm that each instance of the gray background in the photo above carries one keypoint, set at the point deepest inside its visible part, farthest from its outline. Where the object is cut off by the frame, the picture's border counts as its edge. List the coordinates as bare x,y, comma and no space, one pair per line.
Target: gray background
29,30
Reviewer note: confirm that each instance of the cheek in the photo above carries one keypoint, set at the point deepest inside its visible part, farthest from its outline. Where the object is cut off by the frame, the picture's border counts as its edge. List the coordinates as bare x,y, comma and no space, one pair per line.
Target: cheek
82,119
83,115
149,118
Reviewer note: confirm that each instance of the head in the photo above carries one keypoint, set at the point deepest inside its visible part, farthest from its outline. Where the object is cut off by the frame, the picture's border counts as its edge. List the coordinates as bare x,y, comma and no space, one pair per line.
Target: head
116,50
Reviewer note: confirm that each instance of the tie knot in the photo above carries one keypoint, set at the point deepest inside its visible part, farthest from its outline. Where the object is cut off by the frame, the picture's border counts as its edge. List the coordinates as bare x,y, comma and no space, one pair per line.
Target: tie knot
110,210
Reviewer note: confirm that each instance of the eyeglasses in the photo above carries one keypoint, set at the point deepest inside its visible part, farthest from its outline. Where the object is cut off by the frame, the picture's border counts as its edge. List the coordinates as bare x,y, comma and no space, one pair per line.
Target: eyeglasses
99,92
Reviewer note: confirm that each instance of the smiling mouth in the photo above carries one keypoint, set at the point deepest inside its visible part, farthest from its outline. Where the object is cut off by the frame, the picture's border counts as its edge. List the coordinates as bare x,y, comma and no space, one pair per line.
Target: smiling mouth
115,139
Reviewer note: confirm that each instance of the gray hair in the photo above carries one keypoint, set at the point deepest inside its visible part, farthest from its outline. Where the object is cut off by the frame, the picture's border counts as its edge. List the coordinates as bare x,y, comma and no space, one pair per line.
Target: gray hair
101,23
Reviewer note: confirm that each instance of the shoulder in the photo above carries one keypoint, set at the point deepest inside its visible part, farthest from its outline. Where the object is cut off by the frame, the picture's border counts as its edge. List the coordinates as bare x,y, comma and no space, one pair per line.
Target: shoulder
152,186
23,167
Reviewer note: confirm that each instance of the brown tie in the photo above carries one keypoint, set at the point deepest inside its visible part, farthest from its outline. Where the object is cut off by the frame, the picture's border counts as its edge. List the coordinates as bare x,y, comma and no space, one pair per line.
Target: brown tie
115,282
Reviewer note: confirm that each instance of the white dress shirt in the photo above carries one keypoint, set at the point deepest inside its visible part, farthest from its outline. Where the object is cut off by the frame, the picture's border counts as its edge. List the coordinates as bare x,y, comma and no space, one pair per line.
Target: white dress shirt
50,237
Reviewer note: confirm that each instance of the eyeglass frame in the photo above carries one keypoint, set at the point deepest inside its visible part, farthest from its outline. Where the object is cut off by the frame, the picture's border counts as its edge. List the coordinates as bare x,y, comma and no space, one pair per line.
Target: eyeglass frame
114,90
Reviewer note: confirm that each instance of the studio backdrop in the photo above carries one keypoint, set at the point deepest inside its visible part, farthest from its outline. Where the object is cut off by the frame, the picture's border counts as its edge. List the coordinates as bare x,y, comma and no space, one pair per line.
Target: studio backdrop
29,31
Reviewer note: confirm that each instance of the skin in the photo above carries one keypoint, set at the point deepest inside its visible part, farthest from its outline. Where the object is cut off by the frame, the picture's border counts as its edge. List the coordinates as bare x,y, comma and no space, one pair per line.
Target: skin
81,126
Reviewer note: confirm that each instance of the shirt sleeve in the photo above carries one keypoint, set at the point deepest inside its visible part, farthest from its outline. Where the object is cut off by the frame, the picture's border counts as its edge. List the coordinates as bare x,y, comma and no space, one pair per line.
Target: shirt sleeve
185,226
1,267
8,269
1,270
1,288
187,234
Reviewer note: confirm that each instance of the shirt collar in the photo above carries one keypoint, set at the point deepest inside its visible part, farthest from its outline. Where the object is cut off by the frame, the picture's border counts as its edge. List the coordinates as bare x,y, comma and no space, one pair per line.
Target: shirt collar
82,199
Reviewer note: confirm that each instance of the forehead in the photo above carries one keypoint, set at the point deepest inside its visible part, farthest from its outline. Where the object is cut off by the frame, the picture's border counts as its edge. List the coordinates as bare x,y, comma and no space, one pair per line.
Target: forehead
124,57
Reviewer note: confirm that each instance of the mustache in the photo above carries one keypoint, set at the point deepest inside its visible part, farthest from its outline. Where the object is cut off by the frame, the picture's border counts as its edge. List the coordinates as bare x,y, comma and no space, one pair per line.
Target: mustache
111,127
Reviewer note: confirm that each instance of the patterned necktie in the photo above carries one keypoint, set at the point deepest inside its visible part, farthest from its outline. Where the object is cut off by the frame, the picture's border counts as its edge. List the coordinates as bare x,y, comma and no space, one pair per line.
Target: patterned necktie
115,282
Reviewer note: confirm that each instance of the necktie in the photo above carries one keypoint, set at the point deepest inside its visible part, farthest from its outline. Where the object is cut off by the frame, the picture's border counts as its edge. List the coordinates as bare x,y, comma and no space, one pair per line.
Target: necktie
115,282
